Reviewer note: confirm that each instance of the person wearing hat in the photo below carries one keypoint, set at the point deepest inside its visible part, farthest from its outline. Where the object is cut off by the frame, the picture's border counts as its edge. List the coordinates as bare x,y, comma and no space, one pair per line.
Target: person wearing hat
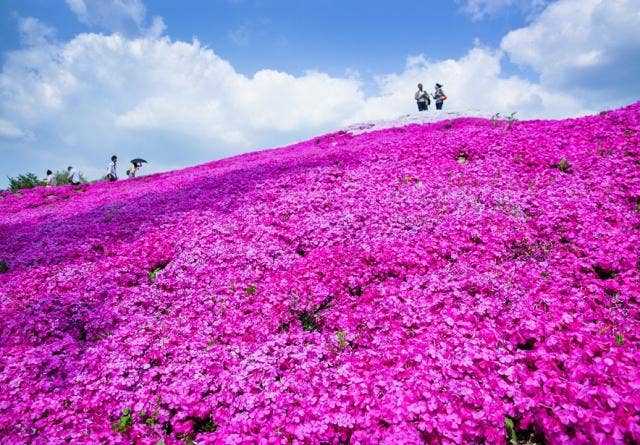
422,98
439,96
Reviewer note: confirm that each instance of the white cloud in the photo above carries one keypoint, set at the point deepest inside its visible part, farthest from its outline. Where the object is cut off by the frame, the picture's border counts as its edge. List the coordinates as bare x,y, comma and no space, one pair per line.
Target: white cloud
33,32
590,48
9,131
124,16
173,102
480,9
473,82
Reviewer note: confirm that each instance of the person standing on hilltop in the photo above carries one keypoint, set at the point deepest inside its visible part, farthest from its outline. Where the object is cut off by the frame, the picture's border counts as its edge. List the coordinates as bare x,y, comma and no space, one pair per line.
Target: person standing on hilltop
112,174
422,98
439,96
73,176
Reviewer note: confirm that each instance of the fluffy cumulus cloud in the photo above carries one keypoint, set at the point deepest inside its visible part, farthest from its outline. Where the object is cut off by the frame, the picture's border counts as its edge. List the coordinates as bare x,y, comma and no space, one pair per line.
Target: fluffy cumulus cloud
590,48
175,102
179,103
474,82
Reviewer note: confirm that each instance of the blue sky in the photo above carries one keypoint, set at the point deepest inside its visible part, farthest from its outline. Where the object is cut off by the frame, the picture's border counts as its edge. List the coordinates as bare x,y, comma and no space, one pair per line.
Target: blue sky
332,36
186,82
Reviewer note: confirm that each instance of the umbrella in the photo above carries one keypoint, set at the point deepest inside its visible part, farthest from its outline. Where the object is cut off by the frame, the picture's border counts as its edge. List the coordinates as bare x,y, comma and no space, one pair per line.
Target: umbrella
137,161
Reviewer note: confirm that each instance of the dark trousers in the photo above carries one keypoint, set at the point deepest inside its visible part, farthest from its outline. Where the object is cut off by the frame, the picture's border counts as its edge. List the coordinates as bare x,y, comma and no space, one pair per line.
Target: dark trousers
438,105
422,106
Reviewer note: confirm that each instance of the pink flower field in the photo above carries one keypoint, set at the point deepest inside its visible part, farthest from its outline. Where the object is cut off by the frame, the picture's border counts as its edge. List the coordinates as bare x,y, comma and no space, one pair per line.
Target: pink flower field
467,281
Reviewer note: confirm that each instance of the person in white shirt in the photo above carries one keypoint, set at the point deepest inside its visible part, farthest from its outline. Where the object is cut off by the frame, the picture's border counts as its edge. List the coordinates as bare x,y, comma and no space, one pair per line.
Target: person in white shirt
51,179
73,176
112,174
422,98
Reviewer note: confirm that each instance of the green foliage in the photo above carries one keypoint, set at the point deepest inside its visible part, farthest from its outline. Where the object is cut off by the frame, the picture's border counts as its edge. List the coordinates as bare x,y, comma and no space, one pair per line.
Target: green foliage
124,422
511,430
341,341
149,420
251,290
206,425
153,273
4,267
61,177
30,180
511,119
308,321
619,339
564,166
25,181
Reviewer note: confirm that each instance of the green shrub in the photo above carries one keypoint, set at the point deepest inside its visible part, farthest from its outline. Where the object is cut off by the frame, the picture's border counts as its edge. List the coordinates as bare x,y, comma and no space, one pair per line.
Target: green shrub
61,177
25,181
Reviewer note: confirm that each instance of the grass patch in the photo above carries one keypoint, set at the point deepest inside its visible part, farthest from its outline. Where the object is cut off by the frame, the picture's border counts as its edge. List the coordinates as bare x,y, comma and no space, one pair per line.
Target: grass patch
341,339
511,430
124,422
153,273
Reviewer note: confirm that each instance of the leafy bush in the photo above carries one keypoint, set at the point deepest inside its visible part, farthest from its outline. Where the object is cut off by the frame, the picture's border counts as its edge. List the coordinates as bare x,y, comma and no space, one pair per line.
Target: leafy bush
61,177
25,181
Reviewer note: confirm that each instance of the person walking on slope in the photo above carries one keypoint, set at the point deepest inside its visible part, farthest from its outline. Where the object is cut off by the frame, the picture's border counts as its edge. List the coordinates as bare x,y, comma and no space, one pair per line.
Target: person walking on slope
51,179
133,169
422,98
73,176
112,174
439,96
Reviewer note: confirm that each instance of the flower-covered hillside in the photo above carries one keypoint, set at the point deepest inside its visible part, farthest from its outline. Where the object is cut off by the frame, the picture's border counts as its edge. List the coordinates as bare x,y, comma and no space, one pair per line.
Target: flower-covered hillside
466,281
